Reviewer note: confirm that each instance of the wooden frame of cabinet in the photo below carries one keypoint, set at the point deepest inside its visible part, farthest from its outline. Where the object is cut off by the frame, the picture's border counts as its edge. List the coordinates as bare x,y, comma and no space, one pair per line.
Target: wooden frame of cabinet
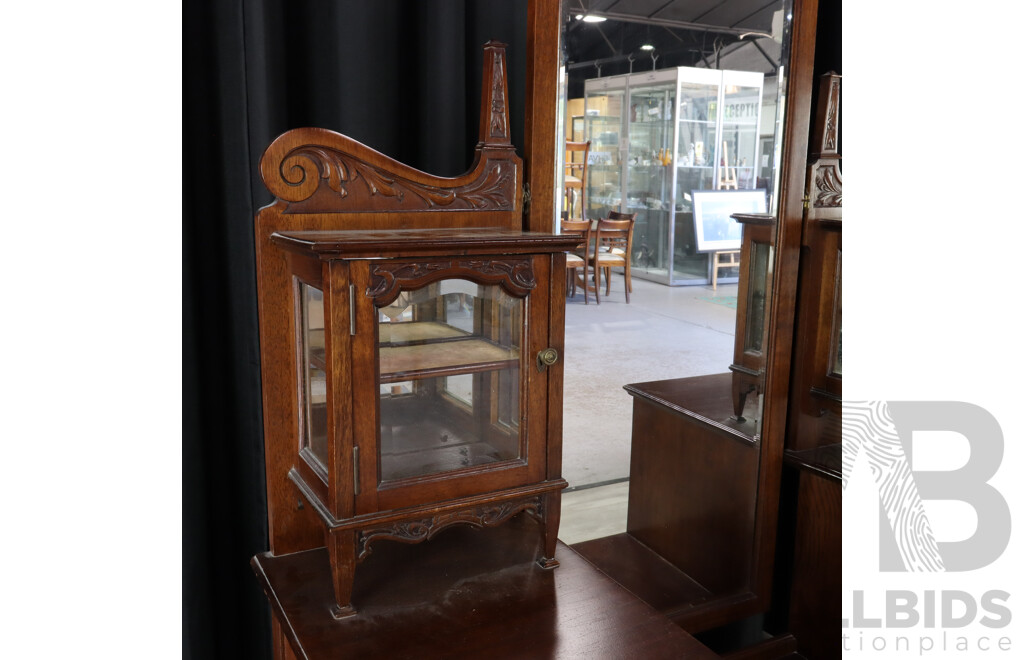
323,181
442,468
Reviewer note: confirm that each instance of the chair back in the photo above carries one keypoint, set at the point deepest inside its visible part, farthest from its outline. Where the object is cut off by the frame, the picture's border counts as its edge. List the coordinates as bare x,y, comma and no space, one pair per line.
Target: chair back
615,237
576,156
581,227
615,215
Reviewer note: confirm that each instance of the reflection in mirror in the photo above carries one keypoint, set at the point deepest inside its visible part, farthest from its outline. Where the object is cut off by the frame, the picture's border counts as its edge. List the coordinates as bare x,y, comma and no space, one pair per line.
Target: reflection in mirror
680,100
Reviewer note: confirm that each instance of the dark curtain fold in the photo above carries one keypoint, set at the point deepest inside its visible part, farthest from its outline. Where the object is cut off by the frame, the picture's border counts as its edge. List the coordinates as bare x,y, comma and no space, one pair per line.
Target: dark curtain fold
402,76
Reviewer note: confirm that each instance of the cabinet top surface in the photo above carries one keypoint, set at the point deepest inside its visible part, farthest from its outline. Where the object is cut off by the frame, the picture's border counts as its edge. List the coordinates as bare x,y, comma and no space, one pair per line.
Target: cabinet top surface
410,242
707,399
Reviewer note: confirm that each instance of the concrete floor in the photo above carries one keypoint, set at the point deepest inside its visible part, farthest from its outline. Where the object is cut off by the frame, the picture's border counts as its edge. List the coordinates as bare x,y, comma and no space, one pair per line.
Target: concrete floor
663,332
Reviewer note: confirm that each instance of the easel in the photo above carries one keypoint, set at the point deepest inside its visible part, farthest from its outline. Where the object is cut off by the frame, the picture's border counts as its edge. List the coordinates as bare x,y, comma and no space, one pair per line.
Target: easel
717,262
727,175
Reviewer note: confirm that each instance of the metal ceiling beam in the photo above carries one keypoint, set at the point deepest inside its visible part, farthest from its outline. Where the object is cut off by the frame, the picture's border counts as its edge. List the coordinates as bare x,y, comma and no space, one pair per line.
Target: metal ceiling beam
686,25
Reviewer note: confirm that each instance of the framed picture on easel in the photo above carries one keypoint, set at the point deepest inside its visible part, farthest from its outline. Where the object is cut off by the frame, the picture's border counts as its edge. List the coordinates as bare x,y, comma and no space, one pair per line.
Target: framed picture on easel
714,229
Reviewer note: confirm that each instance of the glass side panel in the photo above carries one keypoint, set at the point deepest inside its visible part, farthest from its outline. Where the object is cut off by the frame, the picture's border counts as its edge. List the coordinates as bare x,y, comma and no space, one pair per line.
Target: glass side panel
739,138
695,170
603,127
450,370
314,372
649,176
757,295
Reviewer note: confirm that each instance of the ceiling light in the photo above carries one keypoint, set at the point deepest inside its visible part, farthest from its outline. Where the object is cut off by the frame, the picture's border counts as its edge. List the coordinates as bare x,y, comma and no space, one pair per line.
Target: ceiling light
590,18
647,47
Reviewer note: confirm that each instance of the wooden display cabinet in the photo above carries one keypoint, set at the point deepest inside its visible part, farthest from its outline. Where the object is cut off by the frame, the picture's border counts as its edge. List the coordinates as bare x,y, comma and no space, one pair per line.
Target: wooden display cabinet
422,397
409,336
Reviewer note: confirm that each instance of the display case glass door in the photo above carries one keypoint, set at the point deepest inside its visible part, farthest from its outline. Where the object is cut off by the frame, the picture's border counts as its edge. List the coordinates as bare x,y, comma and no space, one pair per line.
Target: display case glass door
697,137
740,127
605,99
454,349
449,386
649,170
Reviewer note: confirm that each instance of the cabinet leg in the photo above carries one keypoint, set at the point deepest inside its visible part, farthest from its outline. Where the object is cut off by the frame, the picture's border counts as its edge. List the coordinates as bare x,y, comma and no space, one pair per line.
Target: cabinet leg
342,548
549,534
740,390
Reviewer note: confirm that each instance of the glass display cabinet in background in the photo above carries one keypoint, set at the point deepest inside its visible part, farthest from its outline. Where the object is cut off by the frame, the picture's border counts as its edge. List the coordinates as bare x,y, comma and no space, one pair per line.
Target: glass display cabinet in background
606,98
678,130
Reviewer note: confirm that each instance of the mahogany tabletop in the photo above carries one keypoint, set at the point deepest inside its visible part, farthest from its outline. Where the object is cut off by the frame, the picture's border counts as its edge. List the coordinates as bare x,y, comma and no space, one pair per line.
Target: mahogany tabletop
468,593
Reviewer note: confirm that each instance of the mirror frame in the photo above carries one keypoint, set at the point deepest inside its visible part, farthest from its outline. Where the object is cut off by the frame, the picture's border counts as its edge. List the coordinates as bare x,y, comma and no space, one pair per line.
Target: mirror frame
725,608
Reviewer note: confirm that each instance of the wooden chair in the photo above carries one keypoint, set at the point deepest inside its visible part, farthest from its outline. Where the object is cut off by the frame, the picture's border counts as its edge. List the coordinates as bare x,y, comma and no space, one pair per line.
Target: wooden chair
614,241
578,258
576,186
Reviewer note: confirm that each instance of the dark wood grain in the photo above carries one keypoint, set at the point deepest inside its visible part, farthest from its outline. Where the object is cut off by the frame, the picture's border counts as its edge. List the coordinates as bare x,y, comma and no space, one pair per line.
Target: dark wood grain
778,358
693,484
469,594
543,59
420,242
815,603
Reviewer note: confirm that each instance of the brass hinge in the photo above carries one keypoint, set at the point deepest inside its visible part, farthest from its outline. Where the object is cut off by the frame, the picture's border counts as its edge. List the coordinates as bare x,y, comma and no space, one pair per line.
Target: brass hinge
355,469
526,198
807,202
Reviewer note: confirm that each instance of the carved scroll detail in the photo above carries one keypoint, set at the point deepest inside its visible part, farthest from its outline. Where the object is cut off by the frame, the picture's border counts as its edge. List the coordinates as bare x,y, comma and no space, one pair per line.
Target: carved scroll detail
828,183
416,531
304,168
387,280
519,272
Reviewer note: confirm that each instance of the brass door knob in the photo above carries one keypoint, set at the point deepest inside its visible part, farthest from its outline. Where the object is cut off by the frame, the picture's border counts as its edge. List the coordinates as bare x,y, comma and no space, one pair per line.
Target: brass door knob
546,358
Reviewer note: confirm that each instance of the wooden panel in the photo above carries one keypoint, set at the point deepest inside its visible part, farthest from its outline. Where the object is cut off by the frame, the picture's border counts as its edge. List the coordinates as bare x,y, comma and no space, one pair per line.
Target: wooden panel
543,59
471,594
778,358
692,495
815,605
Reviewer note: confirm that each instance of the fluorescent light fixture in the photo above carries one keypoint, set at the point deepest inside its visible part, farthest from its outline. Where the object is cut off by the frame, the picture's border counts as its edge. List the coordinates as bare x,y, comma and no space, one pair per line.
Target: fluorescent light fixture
594,19
647,47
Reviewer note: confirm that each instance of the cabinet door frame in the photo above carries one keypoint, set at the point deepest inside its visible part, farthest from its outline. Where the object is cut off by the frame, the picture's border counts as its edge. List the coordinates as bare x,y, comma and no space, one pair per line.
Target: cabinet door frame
376,494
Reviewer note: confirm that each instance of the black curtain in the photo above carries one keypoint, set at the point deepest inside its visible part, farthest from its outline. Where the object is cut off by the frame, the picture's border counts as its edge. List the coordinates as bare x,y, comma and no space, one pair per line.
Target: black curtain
402,76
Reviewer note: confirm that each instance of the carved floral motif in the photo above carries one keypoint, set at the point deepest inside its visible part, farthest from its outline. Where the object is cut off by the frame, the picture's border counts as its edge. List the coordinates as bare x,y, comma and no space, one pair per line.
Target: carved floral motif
519,272
387,280
415,531
498,126
832,118
828,182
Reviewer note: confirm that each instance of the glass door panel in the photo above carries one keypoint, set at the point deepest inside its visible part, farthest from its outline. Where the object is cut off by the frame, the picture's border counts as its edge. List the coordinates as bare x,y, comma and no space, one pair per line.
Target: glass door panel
695,166
739,140
449,385
649,175
603,126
